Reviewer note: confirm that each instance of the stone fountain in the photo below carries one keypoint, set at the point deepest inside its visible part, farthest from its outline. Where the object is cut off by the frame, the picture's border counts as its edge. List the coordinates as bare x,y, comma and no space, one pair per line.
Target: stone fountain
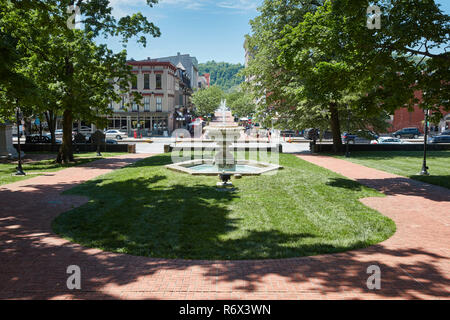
224,132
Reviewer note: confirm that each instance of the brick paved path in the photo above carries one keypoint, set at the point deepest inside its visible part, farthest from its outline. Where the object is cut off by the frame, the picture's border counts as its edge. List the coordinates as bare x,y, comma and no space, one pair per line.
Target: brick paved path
33,261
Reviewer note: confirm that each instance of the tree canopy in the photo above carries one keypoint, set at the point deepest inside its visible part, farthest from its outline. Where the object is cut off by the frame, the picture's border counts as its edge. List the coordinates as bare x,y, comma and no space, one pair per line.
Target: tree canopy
72,74
316,61
207,100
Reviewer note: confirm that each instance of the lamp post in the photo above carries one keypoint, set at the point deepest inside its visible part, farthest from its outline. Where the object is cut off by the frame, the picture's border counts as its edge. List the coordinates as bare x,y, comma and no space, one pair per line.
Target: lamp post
424,171
347,153
19,168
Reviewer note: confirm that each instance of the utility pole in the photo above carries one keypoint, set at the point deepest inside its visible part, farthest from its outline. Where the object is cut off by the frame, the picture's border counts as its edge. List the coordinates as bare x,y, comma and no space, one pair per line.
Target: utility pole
19,168
424,171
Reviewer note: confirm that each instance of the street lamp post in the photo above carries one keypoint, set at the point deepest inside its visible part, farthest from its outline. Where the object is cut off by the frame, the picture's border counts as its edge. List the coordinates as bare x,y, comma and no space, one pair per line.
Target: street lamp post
424,171
347,153
19,168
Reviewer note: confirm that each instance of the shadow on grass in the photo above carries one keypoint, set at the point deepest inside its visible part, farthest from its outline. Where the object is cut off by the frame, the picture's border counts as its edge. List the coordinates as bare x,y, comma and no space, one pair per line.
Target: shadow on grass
345,184
174,221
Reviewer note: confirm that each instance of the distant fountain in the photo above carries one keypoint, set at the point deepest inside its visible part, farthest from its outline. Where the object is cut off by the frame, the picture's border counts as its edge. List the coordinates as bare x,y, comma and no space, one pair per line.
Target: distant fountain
224,133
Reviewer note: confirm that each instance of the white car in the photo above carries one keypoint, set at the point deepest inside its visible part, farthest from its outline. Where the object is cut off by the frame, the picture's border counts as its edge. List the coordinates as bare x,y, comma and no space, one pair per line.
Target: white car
387,140
115,134
59,133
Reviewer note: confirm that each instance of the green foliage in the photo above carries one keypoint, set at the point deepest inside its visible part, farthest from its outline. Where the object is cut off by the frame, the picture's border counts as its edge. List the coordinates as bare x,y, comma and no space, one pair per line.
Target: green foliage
314,60
241,103
70,73
207,100
223,74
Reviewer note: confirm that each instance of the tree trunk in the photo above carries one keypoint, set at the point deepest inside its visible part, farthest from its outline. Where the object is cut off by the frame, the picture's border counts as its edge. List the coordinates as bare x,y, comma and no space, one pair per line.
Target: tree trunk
335,127
66,151
51,121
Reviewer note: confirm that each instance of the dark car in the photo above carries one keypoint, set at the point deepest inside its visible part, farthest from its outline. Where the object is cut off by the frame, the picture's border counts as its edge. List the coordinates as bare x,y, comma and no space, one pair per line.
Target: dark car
314,133
288,133
445,133
440,139
407,133
361,137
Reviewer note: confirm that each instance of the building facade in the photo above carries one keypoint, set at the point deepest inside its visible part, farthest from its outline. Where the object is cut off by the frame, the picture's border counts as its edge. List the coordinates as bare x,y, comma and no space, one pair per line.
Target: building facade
189,63
159,83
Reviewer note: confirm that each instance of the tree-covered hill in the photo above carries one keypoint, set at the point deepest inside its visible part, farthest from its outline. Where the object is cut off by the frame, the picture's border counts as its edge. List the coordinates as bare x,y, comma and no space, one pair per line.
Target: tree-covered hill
223,74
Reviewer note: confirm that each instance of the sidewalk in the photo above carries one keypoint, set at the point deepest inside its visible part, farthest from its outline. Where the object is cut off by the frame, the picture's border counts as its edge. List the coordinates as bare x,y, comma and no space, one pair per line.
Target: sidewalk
414,262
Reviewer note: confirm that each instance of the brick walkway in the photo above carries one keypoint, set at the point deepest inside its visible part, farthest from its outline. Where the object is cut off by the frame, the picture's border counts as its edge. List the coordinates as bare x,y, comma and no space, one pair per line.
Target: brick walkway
33,261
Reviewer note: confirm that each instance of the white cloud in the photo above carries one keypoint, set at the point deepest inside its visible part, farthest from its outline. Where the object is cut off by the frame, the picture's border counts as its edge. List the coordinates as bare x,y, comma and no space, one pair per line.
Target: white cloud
239,4
124,7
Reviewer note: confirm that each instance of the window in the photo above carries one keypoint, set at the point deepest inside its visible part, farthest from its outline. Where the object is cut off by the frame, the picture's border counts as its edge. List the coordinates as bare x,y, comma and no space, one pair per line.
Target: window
146,104
122,104
135,106
158,81
146,81
134,82
158,104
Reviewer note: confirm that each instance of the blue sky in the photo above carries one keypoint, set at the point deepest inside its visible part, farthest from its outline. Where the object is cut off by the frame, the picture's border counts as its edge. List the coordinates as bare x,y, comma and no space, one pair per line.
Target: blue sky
206,29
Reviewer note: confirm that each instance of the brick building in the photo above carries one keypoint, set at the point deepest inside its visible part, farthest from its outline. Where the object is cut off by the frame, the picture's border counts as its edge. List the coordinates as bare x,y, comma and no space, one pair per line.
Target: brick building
403,118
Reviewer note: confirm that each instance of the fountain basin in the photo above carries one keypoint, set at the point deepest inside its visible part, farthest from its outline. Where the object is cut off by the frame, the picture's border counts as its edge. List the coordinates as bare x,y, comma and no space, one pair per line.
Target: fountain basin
208,168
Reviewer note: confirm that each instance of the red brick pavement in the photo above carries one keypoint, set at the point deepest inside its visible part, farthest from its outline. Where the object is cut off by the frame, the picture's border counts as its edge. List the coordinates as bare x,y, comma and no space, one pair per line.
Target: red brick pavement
33,260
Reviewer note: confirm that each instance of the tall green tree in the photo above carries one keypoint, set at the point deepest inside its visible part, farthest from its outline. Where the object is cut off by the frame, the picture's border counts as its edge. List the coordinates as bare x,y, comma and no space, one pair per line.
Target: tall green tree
241,103
84,72
328,63
206,101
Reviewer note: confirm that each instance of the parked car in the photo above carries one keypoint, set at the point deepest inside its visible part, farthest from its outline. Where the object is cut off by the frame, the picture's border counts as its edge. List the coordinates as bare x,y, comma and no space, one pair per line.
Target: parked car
445,133
83,130
116,134
59,133
36,138
311,133
111,141
361,137
440,139
387,140
407,133
288,133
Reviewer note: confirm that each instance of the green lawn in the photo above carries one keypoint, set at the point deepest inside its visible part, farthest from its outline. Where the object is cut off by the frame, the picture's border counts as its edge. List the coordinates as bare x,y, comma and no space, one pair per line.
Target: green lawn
146,209
408,164
33,169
